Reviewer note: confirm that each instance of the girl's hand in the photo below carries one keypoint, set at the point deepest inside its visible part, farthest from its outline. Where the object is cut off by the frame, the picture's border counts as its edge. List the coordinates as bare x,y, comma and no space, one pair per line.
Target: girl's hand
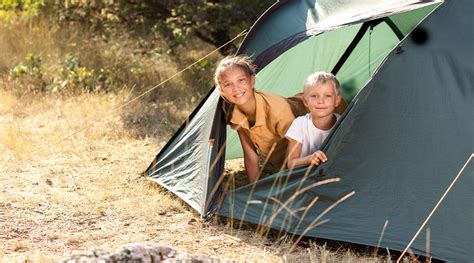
318,157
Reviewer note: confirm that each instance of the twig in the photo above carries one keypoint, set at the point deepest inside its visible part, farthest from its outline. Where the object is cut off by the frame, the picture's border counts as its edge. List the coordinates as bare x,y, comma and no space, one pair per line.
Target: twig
313,202
381,236
436,207
285,207
315,221
293,197
254,185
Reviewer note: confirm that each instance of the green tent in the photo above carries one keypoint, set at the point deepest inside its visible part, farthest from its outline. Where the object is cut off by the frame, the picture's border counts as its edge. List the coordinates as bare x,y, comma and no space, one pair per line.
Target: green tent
406,68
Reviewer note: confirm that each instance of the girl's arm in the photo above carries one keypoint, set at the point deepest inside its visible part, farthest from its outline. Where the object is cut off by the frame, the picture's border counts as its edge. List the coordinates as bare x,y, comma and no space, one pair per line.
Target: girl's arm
250,157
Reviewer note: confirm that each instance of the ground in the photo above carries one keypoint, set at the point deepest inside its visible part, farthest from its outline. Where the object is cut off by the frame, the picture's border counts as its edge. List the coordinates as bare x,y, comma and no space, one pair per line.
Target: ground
70,172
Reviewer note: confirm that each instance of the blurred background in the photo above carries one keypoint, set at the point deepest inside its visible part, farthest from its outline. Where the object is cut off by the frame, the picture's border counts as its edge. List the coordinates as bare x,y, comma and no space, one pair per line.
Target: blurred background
68,48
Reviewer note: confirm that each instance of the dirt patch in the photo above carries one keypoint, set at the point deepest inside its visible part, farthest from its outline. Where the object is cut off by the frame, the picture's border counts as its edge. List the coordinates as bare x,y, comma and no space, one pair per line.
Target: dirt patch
71,184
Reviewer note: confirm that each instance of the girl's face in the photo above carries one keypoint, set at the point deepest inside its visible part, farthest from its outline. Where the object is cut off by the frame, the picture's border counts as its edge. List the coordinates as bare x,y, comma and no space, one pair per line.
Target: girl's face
237,86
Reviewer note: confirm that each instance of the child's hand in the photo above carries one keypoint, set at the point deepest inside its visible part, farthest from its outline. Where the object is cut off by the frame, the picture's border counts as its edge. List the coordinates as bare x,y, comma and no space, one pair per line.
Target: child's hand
318,157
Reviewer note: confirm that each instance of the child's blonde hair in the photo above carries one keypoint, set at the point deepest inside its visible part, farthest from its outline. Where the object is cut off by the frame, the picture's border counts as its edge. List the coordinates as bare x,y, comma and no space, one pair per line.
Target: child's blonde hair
321,77
241,61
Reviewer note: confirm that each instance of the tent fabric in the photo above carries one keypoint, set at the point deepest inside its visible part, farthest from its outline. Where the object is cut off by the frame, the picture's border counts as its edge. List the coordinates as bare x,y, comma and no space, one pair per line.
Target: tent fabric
290,22
193,158
406,133
404,139
285,75
179,167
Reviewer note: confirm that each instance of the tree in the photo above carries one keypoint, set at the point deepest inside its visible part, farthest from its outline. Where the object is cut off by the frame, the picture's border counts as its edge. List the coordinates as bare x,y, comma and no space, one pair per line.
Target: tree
213,21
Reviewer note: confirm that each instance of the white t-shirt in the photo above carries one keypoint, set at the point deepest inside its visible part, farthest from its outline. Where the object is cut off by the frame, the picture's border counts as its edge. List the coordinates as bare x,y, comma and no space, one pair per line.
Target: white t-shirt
303,131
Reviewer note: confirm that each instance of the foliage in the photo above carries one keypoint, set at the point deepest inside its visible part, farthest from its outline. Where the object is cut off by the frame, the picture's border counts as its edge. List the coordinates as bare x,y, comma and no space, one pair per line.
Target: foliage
31,71
32,67
73,74
215,22
11,8
75,46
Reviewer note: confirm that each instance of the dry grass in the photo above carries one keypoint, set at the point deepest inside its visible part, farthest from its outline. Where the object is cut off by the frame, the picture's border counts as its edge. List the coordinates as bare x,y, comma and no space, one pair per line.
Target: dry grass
70,165
61,196
125,60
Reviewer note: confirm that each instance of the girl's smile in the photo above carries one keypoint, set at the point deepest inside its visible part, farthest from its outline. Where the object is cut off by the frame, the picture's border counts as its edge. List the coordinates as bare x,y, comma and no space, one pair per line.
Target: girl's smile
237,86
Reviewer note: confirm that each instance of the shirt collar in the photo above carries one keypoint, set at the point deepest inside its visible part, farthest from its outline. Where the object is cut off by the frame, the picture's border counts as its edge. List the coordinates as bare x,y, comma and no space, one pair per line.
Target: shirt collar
239,118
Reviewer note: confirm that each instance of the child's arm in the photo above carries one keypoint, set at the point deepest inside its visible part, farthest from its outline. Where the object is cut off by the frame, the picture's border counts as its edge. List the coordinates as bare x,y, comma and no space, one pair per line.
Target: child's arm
318,157
294,153
250,157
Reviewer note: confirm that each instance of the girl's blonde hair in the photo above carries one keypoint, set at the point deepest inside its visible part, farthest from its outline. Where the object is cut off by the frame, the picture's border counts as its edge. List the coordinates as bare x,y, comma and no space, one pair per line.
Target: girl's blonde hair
320,78
242,61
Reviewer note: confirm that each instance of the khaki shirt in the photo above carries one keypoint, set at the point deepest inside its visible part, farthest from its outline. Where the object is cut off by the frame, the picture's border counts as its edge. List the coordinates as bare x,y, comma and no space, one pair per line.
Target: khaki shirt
274,115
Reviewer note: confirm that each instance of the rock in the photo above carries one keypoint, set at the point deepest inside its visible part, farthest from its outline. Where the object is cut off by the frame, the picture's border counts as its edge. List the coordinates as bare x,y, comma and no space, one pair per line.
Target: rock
138,253
49,182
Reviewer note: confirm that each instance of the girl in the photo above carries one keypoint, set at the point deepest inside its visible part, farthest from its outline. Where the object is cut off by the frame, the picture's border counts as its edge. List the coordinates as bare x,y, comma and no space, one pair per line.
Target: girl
261,119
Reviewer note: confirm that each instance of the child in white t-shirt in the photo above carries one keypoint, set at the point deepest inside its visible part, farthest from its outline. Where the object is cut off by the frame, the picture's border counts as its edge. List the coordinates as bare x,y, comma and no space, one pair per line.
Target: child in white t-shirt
306,134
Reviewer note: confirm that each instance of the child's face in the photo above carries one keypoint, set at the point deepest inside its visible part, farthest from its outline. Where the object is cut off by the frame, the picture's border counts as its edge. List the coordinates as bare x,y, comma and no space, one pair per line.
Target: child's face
321,99
236,85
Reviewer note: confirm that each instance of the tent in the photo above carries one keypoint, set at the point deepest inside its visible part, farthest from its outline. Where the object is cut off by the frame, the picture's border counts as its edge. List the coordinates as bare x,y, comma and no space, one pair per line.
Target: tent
406,68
